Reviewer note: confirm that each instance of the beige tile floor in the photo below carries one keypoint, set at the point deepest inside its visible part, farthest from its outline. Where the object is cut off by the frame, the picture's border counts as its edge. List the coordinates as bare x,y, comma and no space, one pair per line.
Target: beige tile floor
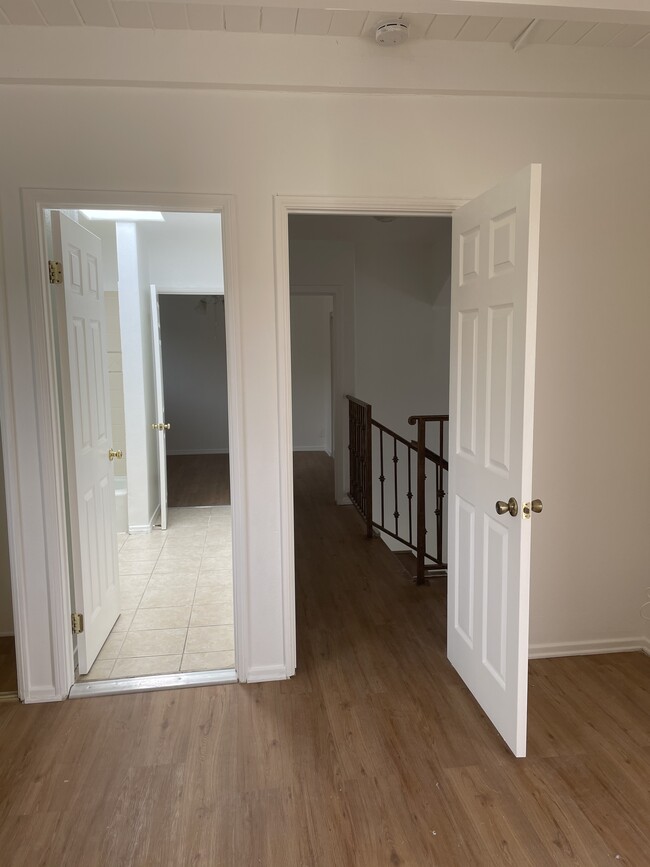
176,599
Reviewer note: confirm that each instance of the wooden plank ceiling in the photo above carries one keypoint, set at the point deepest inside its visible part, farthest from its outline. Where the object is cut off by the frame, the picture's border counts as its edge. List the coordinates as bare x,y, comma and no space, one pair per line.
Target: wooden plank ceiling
315,22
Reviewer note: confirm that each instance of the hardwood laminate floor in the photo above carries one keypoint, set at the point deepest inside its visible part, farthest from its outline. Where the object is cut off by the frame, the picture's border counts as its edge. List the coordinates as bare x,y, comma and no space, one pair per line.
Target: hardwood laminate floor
373,754
198,480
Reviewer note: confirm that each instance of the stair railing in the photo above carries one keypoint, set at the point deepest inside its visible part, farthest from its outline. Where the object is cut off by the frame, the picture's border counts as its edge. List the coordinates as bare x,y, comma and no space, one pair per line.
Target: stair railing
360,448
396,485
441,467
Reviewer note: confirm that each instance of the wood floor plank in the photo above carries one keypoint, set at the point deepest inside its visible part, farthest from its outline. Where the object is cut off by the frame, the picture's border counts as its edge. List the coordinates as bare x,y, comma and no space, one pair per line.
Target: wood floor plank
374,754
198,480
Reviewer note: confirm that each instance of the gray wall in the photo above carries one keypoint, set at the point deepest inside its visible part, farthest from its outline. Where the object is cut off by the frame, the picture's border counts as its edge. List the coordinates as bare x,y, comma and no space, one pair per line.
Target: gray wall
193,336
311,372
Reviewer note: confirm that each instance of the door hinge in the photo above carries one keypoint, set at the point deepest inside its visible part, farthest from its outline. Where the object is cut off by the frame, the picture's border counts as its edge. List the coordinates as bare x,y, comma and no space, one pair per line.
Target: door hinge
77,624
55,270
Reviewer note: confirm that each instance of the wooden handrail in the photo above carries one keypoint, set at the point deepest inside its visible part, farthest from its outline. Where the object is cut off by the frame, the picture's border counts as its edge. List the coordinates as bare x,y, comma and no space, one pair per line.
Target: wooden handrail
357,401
432,456
413,419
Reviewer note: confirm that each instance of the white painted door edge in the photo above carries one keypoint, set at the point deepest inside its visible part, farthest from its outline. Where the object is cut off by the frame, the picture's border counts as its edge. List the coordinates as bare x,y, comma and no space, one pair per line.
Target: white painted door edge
56,645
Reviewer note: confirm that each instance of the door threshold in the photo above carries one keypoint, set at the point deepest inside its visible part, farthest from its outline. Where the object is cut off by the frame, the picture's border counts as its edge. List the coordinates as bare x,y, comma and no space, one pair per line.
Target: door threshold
151,682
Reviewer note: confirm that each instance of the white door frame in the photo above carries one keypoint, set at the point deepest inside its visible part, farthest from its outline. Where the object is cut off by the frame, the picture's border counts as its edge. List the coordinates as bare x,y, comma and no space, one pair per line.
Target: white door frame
283,206
34,204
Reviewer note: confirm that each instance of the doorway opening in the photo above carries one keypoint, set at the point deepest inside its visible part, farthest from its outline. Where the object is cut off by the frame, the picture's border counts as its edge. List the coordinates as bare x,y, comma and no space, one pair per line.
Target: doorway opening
141,356
397,271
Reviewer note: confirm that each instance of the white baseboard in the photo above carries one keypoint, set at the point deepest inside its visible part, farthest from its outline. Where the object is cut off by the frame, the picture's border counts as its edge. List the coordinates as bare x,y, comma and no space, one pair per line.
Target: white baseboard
587,648
344,501
319,448
172,452
140,529
38,695
5,634
263,673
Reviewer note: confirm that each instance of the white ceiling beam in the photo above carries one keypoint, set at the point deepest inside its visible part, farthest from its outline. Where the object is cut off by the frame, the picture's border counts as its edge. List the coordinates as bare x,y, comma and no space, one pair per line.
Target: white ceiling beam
257,61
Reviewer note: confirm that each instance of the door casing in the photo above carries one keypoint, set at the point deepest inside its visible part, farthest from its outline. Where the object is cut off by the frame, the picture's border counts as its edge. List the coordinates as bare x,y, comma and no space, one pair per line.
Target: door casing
34,204
283,207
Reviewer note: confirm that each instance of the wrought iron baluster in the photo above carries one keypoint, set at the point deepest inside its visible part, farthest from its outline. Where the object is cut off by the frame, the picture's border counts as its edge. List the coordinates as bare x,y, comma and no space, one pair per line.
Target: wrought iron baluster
409,497
382,477
395,501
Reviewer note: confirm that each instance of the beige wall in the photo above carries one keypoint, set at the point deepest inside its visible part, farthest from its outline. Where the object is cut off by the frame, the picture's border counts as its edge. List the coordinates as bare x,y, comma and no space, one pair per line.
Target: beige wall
590,546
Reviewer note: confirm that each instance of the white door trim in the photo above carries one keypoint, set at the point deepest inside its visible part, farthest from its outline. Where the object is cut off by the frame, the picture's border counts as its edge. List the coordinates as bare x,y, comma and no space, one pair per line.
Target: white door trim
51,470
282,207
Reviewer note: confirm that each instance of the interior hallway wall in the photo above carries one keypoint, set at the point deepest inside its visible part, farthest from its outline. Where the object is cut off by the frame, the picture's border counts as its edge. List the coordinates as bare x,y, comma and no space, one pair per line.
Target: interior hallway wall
401,288
6,612
311,372
141,453
592,350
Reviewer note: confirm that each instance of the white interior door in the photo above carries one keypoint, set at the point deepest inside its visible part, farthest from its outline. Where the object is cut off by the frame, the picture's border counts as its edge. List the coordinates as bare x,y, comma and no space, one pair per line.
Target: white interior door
88,435
160,425
493,318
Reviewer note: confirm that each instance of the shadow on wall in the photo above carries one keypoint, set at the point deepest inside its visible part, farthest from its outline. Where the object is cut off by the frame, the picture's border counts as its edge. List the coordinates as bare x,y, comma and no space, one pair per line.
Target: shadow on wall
6,614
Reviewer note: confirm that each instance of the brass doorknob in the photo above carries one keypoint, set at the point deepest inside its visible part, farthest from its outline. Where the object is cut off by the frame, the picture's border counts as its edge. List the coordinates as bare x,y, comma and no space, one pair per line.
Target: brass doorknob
115,453
534,506
160,426
511,506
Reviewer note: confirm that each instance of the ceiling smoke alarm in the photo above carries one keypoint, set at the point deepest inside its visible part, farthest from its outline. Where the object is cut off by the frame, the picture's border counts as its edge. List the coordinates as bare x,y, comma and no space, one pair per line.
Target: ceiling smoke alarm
392,33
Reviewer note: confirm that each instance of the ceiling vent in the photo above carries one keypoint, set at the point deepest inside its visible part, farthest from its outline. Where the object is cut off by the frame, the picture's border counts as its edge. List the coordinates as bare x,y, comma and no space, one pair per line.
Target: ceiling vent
391,33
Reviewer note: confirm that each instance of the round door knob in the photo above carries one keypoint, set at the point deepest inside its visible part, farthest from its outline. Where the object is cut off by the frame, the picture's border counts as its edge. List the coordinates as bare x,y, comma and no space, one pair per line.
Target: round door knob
511,506
114,453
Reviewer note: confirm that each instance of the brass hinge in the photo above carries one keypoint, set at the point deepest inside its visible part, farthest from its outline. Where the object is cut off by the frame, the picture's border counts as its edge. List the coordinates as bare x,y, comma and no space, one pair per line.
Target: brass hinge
55,270
77,624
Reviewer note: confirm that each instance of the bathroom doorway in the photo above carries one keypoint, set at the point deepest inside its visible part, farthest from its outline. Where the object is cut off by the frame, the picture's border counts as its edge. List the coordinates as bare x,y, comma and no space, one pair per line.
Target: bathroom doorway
174,614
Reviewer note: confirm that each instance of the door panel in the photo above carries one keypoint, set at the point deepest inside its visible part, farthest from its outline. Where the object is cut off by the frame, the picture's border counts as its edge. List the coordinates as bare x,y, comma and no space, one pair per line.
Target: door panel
87,413
493,317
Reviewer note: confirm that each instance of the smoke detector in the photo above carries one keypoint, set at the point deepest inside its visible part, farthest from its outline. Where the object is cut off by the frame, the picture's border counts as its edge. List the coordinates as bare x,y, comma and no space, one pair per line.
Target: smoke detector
391,33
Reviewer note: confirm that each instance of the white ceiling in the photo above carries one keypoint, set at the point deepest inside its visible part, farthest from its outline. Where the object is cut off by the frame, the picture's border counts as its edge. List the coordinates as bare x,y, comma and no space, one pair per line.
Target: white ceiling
165,15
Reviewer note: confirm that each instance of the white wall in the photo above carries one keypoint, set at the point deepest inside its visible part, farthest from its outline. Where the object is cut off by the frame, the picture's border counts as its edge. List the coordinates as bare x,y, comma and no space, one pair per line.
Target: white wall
6,613
593,352
327,268
137,365
184,252
401,286
311,372
193,333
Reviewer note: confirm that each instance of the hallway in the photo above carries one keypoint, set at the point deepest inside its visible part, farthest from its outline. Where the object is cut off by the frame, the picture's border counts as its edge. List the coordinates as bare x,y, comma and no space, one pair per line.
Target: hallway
373,754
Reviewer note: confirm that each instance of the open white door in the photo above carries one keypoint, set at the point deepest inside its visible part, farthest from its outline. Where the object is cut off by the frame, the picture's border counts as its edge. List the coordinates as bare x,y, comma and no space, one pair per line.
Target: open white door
493,318
88,435
160,424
